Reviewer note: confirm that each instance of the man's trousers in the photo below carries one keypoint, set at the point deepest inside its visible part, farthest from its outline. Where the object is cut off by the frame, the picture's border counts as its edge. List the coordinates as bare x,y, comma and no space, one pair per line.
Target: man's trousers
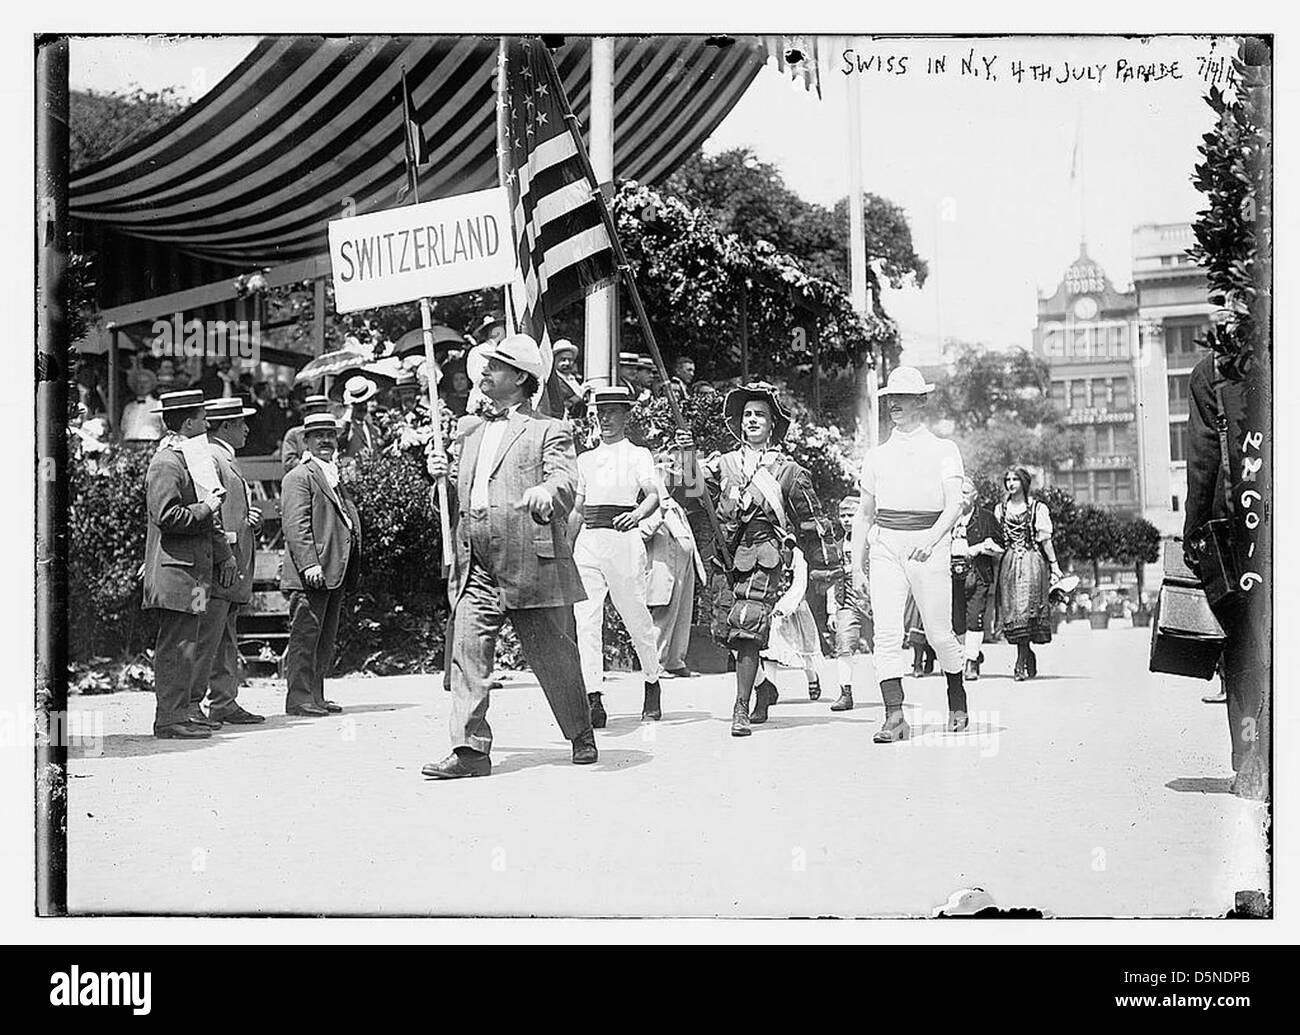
613,562
549,650
219,649
892,576
313,625
178,671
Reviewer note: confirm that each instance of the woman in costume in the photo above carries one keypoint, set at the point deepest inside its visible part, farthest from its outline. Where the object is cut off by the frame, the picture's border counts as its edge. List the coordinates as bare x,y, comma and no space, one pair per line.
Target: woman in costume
766,507
1024,577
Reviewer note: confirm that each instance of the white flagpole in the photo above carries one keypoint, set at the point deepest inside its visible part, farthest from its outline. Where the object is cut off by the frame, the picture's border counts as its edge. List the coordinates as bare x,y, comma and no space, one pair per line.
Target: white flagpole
858,243
600,349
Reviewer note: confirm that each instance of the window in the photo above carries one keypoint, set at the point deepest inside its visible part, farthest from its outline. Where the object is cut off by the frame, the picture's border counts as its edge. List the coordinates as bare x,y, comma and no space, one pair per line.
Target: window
1123,486
1101,392
1081,342
1120,393
1119,342
1090,440
1178,391
1104,487
1061,395
1178,441
1180,342
1106,440
1053,342
1080,488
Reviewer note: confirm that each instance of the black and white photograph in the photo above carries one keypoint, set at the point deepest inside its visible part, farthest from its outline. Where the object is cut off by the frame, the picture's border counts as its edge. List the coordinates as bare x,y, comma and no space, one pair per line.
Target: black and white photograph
654,474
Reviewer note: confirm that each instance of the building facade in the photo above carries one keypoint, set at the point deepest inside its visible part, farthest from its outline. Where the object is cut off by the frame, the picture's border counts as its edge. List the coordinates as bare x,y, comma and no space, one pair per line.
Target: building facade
1174,314
1087,334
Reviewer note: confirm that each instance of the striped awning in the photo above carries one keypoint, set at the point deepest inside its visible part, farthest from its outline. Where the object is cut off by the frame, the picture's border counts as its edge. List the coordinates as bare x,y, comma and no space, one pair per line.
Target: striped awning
306,129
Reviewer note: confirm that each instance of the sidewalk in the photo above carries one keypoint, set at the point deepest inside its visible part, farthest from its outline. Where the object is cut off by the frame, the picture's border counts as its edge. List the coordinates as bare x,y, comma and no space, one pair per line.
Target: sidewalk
1097,789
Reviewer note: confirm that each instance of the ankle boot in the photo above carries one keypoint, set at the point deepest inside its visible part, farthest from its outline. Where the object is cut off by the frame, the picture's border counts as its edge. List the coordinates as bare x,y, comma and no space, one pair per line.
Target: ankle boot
1031,662
764,698
598,715
895,728
845,703
917,663
650,708
740,719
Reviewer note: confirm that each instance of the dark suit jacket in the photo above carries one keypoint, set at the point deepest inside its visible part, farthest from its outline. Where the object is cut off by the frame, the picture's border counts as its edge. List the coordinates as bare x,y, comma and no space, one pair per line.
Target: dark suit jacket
292,448
182,544
1205,488
314,530
234,519
532,564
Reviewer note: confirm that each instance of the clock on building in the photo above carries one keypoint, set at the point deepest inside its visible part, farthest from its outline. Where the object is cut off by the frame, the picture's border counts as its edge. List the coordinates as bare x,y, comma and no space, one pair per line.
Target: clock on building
1085,308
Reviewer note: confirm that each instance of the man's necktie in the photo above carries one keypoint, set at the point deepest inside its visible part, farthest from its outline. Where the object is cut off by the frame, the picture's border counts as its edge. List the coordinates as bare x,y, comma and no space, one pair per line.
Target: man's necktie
494,414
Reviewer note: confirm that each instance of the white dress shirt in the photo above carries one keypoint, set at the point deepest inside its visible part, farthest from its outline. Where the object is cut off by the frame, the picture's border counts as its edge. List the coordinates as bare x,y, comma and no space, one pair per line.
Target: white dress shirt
908,472
493,432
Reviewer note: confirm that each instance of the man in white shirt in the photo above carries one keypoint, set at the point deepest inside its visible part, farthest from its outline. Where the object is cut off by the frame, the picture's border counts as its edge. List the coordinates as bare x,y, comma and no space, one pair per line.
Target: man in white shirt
609,549
141,419
911,497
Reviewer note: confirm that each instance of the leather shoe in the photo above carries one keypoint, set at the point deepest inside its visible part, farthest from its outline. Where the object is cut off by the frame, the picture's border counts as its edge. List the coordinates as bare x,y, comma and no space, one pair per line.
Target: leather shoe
459,764
237,716
894,730
199,719
845,702
598,715
332,707
651,708
1219,698
679,673
584,748
182,731
306,709
764,698
740,720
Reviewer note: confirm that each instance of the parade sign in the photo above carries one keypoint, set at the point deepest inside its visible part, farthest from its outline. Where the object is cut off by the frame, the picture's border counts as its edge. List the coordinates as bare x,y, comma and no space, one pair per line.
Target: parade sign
436,248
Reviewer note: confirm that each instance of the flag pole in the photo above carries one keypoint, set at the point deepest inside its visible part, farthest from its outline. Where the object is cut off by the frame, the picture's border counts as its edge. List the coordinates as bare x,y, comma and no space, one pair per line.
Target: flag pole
625,271
430,360
858,246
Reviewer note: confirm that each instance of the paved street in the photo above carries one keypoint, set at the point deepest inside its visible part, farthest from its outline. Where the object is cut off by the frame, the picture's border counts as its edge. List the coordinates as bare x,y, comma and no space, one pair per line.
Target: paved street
1096,790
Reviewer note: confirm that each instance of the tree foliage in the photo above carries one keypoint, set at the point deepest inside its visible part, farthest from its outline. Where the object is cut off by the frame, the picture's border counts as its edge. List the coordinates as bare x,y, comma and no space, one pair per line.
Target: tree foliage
1234,233
101,123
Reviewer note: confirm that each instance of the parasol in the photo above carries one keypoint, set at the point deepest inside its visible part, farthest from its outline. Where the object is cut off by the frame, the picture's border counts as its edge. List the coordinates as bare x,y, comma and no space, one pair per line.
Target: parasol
413,340
330,363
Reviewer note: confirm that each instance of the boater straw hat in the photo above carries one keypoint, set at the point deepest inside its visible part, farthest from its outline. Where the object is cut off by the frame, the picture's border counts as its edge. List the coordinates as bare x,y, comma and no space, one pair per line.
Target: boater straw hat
562,346
315,404
319,422
359,390
186,399
734,405
906,381
616,395
227,409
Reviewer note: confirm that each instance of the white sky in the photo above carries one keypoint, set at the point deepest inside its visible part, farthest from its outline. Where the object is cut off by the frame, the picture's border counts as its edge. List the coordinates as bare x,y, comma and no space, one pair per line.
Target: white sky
993,154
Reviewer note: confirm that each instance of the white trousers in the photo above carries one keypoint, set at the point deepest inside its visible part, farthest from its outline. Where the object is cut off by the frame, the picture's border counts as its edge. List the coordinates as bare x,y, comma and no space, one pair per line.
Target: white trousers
614,563
930,583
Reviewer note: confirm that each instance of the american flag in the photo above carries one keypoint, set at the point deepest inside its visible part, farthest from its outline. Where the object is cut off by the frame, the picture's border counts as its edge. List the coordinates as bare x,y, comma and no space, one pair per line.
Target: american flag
563,248
416,149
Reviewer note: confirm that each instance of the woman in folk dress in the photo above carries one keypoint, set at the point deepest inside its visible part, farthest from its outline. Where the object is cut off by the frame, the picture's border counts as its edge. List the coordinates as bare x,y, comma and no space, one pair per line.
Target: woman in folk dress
1027,571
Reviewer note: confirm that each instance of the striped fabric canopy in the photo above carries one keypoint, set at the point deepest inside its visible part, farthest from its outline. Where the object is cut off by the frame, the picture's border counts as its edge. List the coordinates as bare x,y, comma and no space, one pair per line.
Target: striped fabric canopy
306,128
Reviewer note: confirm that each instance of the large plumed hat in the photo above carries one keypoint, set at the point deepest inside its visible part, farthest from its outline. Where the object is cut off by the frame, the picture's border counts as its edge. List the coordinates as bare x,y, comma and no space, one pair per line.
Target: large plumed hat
734,405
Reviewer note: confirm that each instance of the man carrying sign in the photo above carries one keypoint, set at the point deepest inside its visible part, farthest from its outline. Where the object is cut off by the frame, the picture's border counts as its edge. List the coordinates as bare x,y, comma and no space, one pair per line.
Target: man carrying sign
513,491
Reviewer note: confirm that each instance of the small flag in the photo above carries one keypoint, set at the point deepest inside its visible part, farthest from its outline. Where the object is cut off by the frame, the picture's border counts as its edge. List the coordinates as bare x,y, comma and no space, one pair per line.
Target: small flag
415,146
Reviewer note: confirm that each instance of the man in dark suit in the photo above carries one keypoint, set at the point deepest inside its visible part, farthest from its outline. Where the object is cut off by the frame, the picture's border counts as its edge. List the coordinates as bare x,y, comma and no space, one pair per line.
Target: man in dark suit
218,639
1239,403
184,547
322,546
514,489
280,414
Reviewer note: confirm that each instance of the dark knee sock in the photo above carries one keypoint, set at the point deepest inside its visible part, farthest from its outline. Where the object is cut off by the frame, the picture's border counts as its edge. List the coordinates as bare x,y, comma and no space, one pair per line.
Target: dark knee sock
746,672
956,692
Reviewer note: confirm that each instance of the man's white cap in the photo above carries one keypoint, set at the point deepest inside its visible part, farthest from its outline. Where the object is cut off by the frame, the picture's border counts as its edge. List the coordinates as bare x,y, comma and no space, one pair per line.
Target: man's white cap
906,381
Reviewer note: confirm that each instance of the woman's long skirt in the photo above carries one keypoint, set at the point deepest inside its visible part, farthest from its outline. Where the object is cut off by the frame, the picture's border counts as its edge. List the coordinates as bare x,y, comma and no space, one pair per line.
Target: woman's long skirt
1024,611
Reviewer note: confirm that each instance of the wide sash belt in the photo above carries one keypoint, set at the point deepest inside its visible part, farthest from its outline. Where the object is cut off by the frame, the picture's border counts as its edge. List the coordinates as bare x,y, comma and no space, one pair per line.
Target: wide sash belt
602,515
907,520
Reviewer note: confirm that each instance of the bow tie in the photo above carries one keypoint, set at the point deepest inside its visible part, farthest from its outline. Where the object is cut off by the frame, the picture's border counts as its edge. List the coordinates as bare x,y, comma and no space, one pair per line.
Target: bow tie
494,414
